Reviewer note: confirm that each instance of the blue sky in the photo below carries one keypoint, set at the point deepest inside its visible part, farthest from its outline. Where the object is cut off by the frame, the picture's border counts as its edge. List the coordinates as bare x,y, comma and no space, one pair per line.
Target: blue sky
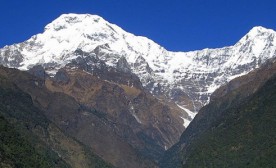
178,25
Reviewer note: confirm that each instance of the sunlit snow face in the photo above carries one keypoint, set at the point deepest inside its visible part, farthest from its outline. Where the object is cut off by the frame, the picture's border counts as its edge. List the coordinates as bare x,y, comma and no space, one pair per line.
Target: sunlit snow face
197,73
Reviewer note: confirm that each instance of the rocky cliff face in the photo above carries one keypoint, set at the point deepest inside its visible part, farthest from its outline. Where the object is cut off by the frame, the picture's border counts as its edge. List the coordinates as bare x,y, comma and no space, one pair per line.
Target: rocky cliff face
145,122
186,78
97,127
134,115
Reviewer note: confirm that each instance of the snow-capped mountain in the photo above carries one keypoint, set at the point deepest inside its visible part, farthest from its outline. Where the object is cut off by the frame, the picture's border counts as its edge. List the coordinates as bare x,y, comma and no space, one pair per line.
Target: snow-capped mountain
186,78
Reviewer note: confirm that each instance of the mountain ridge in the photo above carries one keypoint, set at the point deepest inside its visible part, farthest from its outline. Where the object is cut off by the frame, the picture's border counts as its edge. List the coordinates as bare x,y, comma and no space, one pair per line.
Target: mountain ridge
185,78
131,89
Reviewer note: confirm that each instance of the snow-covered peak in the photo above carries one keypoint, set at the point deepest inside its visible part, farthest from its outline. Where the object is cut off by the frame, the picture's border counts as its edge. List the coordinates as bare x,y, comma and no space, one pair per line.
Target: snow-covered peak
188,78
258,36
70,32
258,43
259,31
93,28
66,20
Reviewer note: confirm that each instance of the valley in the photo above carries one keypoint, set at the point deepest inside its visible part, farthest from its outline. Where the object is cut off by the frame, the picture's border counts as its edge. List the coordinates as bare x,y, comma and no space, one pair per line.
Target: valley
92,91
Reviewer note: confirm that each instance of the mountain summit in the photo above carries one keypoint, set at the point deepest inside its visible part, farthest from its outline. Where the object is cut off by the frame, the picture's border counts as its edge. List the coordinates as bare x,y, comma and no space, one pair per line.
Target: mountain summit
184,78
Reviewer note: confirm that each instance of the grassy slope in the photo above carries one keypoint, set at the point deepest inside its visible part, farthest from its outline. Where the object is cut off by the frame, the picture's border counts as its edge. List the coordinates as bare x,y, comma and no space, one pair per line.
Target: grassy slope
17,150
28,139
245,136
